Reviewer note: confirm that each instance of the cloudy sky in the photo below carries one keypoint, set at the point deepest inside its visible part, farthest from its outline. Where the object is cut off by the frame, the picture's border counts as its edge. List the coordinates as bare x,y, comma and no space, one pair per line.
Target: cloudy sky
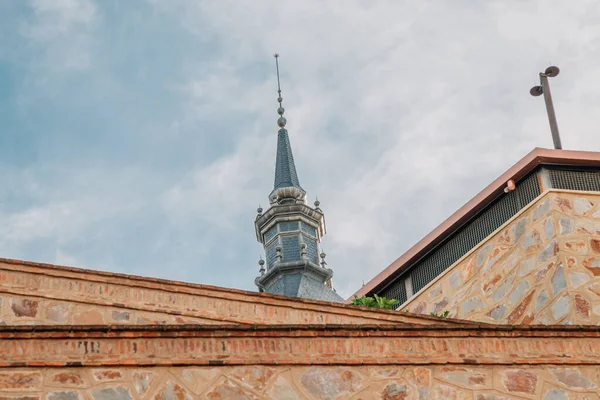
139,136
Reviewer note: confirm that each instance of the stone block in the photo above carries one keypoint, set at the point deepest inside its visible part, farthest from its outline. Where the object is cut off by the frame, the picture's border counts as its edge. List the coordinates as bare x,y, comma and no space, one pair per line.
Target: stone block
112,393
142,381
572,378
520,381
559,281
24,307
226,390
565,226
256,377
331,383
173,391
66,379
63,395
561,307
21,380
581,205
396,391
282,389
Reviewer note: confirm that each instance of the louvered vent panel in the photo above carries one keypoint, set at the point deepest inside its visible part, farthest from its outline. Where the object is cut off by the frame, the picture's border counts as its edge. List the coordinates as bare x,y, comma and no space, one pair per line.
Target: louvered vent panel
397,291
467,237
575,180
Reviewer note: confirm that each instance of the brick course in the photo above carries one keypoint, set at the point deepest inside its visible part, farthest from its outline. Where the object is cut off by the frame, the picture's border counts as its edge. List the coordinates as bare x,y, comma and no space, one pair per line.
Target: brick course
296,345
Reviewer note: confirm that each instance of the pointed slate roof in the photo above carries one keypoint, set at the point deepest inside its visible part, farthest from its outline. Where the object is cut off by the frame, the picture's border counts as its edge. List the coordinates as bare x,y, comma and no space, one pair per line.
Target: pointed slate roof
285,169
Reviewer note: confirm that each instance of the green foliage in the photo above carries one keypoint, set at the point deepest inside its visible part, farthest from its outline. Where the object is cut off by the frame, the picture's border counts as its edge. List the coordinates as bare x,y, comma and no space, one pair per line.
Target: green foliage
375,302
442,315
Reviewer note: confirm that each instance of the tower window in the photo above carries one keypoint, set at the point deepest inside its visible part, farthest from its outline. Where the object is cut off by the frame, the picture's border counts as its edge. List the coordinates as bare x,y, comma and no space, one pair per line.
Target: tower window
288,226
311,248
291,248
309,229
271,254
270,234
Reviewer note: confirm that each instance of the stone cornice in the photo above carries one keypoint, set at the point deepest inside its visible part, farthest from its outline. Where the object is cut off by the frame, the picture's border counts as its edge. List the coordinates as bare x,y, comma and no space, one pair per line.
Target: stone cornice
297,345
284,212
293,267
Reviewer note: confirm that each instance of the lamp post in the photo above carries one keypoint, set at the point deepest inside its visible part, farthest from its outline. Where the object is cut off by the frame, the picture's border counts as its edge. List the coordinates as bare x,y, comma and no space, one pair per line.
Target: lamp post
544,88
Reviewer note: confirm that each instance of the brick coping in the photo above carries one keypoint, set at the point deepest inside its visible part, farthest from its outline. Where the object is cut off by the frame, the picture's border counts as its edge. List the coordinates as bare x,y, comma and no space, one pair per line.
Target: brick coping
189,345
296,330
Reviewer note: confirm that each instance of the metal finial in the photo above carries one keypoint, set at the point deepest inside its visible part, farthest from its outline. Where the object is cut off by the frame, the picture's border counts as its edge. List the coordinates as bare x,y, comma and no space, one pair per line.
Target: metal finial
281,121
261,262
259,210
544,88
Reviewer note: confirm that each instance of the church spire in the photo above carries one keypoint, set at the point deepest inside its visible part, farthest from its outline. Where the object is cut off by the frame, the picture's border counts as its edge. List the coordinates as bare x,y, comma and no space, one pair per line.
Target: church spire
290,230
285,168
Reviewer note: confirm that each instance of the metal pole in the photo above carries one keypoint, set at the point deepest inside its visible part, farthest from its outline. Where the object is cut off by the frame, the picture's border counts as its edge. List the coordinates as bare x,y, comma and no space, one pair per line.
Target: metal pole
550,110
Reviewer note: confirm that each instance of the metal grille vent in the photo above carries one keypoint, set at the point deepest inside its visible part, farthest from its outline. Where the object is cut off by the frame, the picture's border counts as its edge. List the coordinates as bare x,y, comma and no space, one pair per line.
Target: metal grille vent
575,180
467,237
397,291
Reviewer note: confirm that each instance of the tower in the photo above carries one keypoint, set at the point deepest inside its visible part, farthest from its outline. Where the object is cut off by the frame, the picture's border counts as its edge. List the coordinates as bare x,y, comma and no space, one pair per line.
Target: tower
291,231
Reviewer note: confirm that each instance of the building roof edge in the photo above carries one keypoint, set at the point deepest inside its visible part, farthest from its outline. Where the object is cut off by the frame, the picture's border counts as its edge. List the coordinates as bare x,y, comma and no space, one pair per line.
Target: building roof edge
533,159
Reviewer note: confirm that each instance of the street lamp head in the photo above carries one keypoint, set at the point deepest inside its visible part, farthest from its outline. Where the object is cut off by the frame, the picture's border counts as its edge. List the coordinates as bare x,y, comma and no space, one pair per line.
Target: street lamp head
536,91
551,71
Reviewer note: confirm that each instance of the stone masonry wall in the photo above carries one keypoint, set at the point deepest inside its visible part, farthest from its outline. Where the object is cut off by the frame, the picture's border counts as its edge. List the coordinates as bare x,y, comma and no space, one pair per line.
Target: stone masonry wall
290,383
35,294
31,310
542,267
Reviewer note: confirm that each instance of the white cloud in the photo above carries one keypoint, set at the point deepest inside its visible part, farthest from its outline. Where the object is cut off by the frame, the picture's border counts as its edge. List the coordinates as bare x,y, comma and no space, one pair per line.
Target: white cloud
61,29
398,112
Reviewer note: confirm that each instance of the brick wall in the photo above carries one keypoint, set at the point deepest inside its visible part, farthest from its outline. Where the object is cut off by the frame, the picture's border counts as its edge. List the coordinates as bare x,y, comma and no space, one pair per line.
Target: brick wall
542,267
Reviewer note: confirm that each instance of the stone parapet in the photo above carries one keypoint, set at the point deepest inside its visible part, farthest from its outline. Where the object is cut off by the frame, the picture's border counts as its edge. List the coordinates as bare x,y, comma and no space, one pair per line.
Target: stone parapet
40,294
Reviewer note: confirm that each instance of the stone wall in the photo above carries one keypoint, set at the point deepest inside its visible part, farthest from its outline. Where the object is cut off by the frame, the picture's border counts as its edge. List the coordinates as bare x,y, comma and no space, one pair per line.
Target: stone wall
393,362
36,294
34,310
289,383
542,267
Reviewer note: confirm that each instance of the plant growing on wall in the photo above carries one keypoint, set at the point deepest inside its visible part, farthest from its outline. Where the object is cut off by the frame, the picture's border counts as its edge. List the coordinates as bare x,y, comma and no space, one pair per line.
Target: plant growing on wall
375,302
441,315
